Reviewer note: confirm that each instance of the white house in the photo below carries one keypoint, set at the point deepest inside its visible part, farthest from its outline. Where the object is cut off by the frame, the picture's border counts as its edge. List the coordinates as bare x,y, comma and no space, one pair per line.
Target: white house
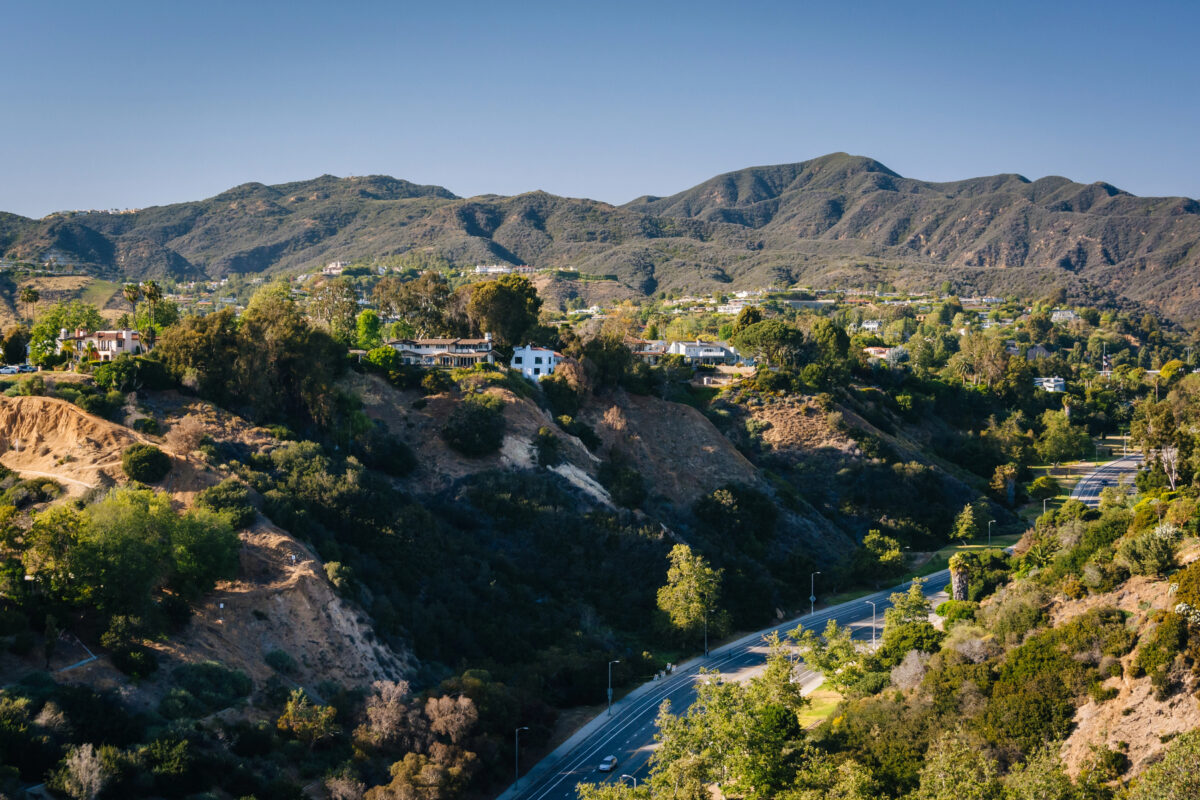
534,362
445,352
108,344
1063,315
704,352
1055,384
334,268
872,325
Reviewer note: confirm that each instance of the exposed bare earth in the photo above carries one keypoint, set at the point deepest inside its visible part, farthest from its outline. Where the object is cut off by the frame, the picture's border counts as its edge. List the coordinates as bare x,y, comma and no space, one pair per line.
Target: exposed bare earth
276,602
1134,717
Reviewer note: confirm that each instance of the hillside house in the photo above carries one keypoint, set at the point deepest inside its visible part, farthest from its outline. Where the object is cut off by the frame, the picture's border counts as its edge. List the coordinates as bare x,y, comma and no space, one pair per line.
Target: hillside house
445,352
107,344
705,352
1054,384
649,350
535,362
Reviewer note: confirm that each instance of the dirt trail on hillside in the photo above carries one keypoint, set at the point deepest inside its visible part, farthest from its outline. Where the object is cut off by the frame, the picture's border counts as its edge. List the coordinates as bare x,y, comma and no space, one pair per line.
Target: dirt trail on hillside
47,437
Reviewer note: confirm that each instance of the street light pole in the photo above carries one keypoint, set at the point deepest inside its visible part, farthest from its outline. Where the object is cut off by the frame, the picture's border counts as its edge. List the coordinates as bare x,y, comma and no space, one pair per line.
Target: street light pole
517,753
618,661
872,605
812,593
623,777
990,521
1044,499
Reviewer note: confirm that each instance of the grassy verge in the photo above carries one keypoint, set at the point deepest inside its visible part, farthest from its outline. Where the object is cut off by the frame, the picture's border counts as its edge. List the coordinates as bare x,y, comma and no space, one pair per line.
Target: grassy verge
822,703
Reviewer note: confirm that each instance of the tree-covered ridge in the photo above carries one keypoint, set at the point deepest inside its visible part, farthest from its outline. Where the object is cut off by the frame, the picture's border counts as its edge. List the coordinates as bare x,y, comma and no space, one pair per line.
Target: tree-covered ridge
834,220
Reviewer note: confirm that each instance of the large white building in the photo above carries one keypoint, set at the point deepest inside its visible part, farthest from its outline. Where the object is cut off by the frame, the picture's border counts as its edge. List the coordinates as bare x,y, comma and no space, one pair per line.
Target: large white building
704,352
107,344
535,362
445,352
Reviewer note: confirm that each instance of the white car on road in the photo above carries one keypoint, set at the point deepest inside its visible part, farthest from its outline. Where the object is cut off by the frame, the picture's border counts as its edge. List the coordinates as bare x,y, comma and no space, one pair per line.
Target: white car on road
608,764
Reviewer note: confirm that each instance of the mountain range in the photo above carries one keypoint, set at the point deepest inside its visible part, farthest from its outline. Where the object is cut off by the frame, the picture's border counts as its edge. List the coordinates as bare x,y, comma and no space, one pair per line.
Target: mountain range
837,220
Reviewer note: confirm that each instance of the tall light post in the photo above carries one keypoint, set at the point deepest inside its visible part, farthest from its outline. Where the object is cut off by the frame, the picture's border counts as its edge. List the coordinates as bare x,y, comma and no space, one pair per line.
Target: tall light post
812,593
517,753
1044,499
623,777
618,661
990,521
872,605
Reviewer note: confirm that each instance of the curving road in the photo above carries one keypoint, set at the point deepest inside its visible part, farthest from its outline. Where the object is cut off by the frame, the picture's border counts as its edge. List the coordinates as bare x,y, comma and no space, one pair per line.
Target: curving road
629,733
1111,474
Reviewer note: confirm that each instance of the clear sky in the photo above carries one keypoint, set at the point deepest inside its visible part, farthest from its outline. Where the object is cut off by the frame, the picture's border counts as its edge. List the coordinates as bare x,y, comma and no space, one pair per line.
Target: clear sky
130,104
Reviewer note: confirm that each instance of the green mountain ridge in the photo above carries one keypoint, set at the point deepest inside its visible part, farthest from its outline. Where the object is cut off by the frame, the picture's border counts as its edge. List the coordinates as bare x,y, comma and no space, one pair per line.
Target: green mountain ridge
837,220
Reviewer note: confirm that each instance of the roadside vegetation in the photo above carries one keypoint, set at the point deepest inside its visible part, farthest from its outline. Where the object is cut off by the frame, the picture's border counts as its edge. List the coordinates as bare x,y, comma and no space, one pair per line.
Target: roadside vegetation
513,589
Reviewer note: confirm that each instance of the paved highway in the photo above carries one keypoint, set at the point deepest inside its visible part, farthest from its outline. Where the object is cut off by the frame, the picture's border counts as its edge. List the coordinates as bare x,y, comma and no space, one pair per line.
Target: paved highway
1111,474
628,733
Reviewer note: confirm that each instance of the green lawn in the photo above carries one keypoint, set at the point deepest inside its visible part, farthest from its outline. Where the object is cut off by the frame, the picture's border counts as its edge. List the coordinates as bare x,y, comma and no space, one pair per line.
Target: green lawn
941,558
98,293
822,701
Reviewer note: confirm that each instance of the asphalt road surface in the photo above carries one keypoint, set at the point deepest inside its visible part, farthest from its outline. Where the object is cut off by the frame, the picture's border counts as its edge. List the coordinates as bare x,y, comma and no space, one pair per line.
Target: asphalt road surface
629,733
1111,474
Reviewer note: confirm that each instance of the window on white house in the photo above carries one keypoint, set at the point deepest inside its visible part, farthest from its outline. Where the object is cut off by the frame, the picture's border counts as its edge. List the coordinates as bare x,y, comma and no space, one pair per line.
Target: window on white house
517,360
537,371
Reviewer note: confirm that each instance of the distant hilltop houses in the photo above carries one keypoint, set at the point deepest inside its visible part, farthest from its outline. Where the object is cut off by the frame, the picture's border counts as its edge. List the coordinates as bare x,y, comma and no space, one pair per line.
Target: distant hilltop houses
503,269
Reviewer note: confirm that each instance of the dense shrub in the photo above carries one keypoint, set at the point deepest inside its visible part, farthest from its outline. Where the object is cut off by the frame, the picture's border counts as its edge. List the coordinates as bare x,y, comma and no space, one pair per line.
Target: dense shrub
580,430
145,463
202,688
28,492
624,483
1158,651
476,427
436,381
957,611
231,497
378,449
281,661
546,447
1044,487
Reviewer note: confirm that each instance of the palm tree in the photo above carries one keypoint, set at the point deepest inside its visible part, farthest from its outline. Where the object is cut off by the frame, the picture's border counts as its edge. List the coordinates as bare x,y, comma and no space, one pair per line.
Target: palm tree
68,350
28,296
92,353
132,293
153,294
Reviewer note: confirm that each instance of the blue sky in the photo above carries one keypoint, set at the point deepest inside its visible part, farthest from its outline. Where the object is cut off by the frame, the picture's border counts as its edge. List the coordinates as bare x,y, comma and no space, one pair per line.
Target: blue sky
130,104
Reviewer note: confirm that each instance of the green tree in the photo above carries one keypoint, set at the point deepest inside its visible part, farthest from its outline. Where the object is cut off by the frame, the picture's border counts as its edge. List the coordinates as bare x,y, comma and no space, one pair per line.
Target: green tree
13,347
132,293
200,351
968,524
748,316
369,329
308,723
1060,440
335,305
958,769
506,307
1175,776
71,315
834,654
692,593
420,303
154,295
775,343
